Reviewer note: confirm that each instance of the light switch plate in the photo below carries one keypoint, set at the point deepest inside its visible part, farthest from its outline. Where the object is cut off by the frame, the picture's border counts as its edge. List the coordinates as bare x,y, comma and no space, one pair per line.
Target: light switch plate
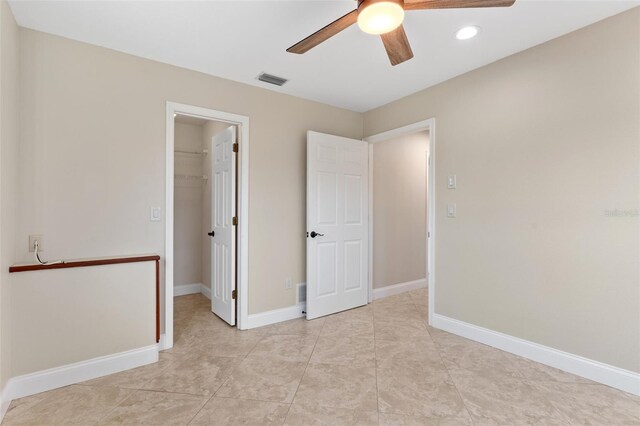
155,214
451,181
451,210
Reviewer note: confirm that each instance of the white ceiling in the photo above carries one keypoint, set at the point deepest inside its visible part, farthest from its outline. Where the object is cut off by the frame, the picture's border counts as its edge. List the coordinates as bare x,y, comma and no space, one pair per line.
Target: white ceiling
239,39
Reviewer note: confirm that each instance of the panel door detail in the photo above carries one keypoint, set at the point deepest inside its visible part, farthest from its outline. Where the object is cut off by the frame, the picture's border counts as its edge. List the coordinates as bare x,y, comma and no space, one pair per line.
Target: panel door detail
223,251
337,224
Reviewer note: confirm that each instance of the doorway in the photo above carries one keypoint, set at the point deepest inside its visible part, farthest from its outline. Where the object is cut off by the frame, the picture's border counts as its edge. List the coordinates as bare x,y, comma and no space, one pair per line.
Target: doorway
206,212
402,166
340,218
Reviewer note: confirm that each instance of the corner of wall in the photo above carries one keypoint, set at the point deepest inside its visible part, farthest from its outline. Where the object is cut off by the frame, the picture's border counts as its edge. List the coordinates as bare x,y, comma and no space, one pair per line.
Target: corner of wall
9,75
2,381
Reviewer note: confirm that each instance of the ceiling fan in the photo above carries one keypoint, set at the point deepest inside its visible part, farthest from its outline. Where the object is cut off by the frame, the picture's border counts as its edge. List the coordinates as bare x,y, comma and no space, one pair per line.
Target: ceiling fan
384,18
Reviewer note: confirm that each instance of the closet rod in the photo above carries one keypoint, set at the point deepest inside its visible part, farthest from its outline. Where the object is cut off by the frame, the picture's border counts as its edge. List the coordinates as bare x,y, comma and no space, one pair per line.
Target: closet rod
203,152
192,177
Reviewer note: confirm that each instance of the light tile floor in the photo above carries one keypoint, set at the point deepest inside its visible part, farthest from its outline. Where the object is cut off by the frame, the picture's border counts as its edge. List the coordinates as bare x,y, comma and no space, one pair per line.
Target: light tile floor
379,364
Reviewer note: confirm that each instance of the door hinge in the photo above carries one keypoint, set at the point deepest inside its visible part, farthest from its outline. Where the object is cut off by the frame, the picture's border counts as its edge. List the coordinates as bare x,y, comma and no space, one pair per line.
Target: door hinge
234,221
235,147
234,294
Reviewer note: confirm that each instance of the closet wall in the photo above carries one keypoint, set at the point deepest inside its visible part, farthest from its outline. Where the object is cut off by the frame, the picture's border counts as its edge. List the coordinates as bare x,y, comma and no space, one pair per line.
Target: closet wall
188,205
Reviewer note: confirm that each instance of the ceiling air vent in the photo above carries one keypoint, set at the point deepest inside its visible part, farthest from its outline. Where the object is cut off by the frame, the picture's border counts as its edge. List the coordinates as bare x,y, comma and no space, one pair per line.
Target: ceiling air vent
272,79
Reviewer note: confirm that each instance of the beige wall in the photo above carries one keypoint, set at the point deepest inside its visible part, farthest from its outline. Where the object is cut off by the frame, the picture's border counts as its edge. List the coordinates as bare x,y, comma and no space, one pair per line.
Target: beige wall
399,209
95,140
210,129
8,176
188,196
543,143
72,315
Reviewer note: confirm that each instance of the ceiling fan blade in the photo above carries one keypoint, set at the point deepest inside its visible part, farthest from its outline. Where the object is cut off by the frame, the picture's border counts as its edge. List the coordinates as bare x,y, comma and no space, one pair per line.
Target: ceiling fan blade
454,4
397,46
323,34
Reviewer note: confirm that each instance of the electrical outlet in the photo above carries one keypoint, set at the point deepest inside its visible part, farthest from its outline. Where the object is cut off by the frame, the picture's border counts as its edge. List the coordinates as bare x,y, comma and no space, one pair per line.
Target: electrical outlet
32,243
287,284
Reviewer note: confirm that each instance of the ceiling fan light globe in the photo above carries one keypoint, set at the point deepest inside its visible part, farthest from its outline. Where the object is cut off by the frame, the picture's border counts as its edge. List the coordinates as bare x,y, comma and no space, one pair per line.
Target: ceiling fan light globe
380,17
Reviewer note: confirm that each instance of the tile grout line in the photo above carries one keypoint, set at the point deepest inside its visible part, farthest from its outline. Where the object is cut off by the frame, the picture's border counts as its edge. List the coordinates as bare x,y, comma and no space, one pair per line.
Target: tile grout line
213,394
523,379
112,409
246,356
34,405
268,401
198,329
305,369
219,387
528,381
375,356
455,385
198,412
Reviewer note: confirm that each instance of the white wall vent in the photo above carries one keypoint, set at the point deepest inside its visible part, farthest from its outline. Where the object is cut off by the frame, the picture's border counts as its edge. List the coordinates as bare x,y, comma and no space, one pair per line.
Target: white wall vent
272,79
301,293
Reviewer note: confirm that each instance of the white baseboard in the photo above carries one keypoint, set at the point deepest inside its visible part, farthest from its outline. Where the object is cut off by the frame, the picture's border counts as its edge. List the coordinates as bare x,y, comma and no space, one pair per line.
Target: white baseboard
206,291
163,344
293,312
615,377
184,289
391,290
277,315
53,378
195,288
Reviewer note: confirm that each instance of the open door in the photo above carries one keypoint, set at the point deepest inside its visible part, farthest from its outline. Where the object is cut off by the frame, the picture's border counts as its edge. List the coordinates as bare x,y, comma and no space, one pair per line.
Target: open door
337,224
223,211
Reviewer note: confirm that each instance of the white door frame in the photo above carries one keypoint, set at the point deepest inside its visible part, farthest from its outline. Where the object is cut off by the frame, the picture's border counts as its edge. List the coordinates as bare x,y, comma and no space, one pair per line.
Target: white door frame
429,125
173,108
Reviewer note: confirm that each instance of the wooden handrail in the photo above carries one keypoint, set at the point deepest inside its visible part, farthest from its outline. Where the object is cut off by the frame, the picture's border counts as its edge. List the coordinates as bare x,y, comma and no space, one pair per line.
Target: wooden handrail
99,262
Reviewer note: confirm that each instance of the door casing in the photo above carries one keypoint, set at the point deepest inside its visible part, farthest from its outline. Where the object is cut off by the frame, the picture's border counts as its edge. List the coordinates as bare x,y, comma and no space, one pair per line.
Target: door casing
242,122
429,125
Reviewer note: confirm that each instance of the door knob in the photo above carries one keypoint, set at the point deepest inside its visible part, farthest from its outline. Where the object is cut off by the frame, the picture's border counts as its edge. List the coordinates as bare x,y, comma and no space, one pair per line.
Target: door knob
315,234
211,234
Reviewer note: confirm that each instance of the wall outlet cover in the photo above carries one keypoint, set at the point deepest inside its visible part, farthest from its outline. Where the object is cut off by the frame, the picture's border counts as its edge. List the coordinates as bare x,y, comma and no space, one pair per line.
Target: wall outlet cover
155,214
32,243
452,210
451,181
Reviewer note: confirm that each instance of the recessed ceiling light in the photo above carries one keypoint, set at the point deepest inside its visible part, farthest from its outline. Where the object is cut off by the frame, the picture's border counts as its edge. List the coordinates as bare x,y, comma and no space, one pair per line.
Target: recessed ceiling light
467,32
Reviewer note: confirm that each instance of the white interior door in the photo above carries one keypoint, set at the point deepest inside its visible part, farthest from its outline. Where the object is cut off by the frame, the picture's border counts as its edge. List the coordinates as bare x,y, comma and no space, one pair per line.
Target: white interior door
223,210
337,224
